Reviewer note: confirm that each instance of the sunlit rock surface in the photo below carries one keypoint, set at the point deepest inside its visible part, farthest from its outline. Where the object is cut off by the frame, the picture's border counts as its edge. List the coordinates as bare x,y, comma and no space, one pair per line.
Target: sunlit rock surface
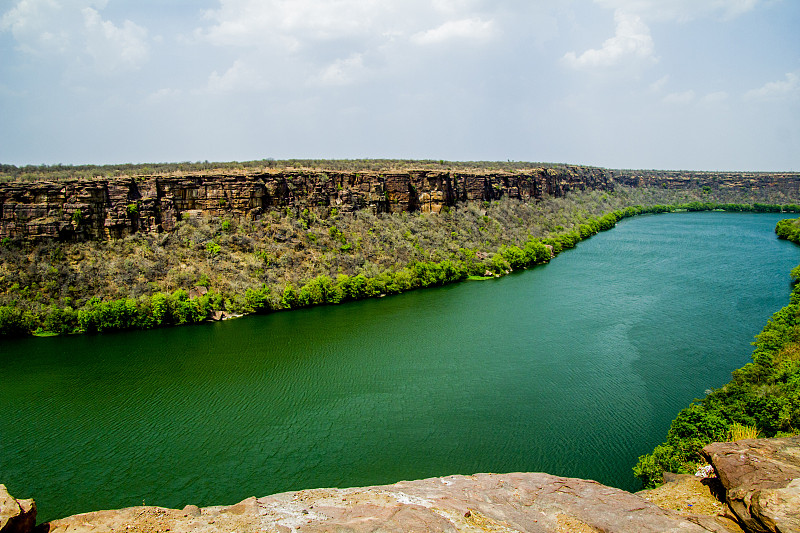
762,481
525,502
16,516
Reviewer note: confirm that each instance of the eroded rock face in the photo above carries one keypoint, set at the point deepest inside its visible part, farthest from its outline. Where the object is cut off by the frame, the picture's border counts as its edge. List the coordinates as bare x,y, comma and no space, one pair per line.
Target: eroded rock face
116,207
762,481
16,516
786,182
524,502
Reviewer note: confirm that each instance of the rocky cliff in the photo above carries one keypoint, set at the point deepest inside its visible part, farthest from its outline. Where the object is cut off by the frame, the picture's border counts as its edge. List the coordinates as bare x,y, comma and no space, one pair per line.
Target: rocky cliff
786,182
115,207
755,488
761,478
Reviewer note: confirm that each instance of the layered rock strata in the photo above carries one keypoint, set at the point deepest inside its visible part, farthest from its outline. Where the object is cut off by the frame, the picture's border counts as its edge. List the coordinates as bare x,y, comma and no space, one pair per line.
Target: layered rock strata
115,207
786,182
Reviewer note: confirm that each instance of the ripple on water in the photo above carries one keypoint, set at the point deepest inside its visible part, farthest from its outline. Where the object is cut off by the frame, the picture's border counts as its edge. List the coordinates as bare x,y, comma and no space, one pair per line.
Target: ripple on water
575,368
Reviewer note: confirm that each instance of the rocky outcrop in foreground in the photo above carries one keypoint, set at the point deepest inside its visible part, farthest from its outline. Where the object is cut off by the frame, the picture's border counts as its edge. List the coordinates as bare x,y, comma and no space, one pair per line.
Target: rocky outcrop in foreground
16,516
758,479
523,502
762,481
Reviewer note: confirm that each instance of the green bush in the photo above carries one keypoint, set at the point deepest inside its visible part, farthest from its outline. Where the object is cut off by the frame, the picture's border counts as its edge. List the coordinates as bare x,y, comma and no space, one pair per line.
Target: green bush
15,322
132,282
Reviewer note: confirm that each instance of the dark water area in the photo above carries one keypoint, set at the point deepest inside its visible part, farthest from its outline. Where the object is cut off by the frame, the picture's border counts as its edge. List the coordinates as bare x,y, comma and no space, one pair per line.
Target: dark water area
573,368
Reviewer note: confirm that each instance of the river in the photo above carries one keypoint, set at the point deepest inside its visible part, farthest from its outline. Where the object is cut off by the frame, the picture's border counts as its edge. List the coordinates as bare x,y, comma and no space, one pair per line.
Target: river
573,368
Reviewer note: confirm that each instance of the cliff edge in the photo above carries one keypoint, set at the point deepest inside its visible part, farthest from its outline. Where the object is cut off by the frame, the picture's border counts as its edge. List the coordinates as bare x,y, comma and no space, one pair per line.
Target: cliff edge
524,502
105,208
755,488
113,207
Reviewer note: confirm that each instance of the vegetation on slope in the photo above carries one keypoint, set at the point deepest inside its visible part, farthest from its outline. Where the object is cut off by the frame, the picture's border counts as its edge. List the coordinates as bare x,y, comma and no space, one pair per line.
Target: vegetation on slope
289,259
763,398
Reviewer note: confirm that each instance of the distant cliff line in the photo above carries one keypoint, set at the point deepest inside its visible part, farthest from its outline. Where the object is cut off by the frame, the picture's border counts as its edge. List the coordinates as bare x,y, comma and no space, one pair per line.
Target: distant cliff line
77,209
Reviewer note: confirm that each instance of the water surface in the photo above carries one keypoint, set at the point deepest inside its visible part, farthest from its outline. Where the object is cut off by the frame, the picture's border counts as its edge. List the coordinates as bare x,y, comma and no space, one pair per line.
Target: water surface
574,368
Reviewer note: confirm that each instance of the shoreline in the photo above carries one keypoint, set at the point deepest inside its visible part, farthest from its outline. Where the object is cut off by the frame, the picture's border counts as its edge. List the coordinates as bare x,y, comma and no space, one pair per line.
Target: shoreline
197,305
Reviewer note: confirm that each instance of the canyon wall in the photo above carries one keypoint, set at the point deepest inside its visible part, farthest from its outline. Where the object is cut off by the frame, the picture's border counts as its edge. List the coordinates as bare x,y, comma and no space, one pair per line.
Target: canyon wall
786,182
115,207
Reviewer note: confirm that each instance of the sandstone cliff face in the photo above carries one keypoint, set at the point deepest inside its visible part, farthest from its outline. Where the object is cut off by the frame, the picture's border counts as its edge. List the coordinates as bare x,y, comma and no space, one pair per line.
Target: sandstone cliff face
113,208
786,182
116,207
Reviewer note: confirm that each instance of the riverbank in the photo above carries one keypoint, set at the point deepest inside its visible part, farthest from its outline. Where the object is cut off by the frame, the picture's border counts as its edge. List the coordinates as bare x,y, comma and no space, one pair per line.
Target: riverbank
286,263
762,399
545,370
92,249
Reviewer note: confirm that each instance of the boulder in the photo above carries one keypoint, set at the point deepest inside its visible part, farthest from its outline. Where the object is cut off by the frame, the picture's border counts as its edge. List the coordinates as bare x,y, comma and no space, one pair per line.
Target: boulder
762,481
16,516
191,510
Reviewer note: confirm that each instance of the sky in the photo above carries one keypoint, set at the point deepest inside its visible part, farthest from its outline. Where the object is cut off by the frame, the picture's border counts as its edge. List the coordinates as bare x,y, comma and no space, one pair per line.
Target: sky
647,84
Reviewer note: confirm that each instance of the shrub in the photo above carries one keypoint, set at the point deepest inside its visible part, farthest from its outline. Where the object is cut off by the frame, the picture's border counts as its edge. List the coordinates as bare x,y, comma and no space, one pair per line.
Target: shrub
15,322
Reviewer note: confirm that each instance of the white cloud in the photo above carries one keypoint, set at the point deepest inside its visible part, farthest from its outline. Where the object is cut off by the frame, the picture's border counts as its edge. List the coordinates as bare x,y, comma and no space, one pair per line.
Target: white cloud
293,25
631,43
34,25
777,90
682,98
71,28
165,94
114,48
342,71
453,6
328,42
240,77
632,40
659,84
466,29
290,23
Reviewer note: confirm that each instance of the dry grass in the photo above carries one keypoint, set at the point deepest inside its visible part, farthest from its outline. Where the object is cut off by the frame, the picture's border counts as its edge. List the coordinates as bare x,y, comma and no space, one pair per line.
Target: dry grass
740,432
286,247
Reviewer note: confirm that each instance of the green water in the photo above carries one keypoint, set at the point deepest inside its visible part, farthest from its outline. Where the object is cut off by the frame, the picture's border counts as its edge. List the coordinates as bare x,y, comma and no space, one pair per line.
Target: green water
574,368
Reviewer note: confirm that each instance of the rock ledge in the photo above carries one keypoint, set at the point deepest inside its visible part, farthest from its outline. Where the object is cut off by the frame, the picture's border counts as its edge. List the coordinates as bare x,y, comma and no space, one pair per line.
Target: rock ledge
524,502
762,481
760,478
